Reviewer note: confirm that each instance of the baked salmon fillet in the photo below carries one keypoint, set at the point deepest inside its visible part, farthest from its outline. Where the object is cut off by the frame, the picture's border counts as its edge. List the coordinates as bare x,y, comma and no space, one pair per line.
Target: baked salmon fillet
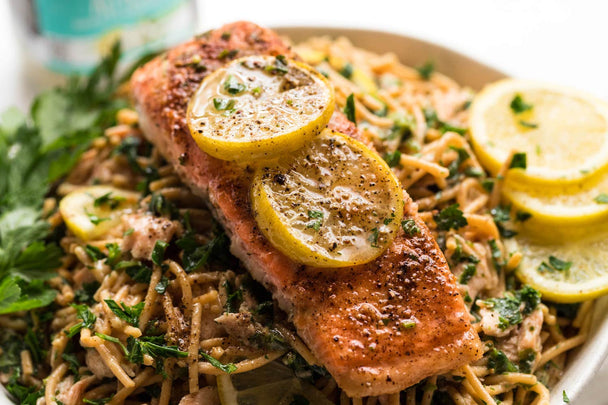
350,318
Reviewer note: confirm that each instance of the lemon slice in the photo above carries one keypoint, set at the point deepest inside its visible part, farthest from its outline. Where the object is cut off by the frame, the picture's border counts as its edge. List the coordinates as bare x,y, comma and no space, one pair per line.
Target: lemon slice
258,107
91,212
273,384
569,272
563,132
333,203
570,204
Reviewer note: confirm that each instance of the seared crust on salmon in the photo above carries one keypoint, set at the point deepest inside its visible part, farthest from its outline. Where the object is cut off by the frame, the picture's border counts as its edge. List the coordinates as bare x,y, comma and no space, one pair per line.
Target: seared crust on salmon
354,320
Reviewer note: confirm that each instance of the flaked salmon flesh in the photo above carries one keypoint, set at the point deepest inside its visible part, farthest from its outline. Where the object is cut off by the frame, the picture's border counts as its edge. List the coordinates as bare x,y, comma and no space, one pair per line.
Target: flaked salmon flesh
352,319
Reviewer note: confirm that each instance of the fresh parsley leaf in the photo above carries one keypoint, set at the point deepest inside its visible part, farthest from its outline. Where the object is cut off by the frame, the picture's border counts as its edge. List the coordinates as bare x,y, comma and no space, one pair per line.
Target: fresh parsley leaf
223,104
139,272
161,286
373,237
160,206
522,216
518,105
426,70
499,362
94,253
467,274
226,368
347,70
233,297
152,346
228,54
86,293
108,200
602,198
196,256
496,255
502,214
349,109
462,157
158,253
114,254
87,317
518,161
279,67
233,86
95,219
450,218
509,308
409,227
433,121
401,129
125,312
526,360
528,124
393,158
565,397
100,401
317,220
73,363
555,264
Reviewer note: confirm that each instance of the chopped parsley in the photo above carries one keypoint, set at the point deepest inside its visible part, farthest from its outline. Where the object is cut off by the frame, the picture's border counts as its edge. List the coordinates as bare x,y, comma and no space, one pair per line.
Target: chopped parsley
95,219
349,109
279,67
393,158
499,362
195,255
224,104
555,264
602,198
87,320
513,306
125,312
462,156
450,218
467,274
135,269
526,360
152,346
347,70
373,238
161,286
409,227
426,70
94,253
317,220
496,255
518,105
233,297
158,253
522,216
518,161
502,214
528,124
401,129
86,293
228,54
433,121
108,200
565,397
114,254
233,86
226,368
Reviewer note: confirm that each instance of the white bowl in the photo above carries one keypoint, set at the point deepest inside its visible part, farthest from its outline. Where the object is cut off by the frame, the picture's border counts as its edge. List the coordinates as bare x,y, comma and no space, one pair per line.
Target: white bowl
466,71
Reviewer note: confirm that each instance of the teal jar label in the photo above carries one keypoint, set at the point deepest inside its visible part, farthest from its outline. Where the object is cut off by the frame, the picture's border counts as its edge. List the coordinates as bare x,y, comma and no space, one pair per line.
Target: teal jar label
78,18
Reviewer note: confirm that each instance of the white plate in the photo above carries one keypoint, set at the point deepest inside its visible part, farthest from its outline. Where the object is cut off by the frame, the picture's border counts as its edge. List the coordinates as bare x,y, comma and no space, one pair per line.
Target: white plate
466,71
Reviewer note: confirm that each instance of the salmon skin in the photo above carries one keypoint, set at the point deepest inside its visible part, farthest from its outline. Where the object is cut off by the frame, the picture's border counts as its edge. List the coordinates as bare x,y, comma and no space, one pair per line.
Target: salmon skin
354,320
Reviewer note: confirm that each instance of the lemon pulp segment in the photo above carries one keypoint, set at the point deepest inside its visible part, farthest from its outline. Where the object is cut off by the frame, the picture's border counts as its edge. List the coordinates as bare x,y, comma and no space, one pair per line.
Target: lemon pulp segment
91,212
564,133
258,107
333,203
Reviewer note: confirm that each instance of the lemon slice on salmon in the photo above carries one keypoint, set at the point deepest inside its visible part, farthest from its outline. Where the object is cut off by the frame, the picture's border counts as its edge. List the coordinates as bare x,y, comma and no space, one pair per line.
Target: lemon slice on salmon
273,384
259,107
333,203
564,272
563,132
91,212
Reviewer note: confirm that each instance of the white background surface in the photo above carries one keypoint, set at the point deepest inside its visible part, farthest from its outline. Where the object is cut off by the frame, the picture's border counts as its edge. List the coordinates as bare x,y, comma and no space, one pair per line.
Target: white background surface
557,41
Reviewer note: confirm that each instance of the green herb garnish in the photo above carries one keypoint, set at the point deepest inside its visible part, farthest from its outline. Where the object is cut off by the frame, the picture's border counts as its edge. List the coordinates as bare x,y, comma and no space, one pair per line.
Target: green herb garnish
349,109
518,105
226,368
409,227
393,158
233,86
317,217
450,218
602,198
426,70
518,161
125,312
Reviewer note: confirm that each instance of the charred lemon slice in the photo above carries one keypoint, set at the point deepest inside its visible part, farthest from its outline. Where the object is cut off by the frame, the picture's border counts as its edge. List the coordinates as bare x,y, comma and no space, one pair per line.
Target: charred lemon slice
563,132
91,212
259,107
333,203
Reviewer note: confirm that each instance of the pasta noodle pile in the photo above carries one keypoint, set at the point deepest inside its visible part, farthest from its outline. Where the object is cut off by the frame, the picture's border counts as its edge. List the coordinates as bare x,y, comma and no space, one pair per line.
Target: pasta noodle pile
160,332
